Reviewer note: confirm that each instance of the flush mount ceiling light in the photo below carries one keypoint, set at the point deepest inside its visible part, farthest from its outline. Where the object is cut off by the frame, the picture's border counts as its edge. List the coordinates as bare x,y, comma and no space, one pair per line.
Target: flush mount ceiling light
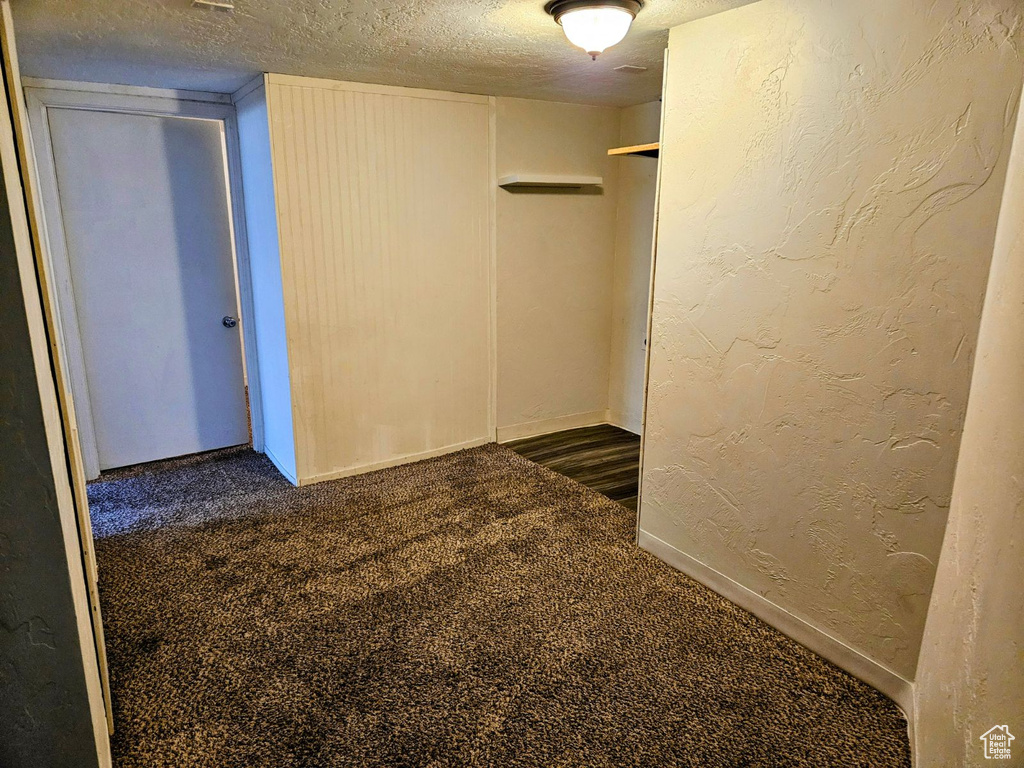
594,25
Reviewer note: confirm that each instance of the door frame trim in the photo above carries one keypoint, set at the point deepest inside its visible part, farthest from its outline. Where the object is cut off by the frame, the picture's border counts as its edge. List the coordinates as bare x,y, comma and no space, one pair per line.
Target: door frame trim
19,179
44,95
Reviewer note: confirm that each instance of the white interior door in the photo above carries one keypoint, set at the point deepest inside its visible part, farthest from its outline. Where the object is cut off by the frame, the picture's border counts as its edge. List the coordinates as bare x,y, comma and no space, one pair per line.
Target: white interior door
146,219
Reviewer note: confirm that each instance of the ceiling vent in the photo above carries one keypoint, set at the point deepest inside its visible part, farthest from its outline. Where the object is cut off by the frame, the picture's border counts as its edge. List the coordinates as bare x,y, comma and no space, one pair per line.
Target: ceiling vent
218,5
629,69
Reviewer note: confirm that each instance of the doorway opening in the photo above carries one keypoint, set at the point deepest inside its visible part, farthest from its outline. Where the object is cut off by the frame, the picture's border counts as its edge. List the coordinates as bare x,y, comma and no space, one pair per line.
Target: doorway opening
146,245
145,255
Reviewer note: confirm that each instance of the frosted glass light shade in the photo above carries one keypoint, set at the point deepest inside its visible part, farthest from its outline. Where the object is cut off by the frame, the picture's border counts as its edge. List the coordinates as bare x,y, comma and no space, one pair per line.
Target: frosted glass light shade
595,29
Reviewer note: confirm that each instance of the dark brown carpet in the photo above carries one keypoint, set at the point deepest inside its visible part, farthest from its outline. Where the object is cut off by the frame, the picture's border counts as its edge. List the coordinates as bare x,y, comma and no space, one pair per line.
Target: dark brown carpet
470,610
603,457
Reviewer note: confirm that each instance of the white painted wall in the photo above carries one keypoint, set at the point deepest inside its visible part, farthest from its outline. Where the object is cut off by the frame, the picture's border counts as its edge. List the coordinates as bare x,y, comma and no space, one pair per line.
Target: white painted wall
831,178
634,233
571,276
556,253
365,324
268,295
384,217
970,675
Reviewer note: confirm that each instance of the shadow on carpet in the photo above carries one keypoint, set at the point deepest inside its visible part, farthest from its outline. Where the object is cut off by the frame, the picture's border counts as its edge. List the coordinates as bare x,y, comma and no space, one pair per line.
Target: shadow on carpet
470,610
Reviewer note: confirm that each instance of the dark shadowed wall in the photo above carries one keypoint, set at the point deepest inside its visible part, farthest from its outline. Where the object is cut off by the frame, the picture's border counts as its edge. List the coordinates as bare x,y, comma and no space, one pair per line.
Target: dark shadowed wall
44,707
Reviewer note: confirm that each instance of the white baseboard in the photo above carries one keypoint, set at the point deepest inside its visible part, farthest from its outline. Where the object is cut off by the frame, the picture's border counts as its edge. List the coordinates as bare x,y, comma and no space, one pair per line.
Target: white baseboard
289,475
619,420
857,664
547,426
408,458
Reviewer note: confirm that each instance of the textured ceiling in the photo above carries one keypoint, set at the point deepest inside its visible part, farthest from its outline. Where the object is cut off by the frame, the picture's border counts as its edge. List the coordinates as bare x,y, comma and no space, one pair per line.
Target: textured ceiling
499,47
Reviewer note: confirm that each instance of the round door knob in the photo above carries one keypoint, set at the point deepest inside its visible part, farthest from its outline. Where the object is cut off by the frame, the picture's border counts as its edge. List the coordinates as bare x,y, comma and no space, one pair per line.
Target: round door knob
229,322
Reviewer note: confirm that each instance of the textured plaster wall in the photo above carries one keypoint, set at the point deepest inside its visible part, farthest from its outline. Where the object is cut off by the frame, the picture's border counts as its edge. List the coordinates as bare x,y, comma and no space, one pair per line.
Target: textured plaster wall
971,672
45,718
831,182
634,232
555,252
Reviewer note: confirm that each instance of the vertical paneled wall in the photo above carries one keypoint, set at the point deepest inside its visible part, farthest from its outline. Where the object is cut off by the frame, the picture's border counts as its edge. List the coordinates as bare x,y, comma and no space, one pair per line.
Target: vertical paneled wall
383,205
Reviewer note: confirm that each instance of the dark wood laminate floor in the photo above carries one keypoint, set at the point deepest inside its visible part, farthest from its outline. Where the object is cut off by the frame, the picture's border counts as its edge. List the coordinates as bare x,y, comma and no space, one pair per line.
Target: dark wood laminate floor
604,458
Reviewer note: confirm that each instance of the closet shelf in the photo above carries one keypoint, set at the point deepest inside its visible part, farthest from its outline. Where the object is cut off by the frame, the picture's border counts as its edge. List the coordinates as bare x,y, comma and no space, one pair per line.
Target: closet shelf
549,181
644,150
